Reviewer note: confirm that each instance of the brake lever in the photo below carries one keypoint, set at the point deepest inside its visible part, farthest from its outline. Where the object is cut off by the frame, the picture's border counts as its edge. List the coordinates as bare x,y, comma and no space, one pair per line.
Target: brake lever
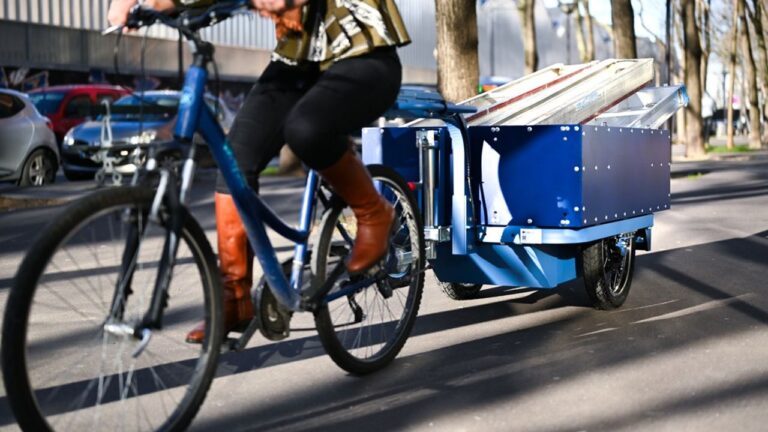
113,29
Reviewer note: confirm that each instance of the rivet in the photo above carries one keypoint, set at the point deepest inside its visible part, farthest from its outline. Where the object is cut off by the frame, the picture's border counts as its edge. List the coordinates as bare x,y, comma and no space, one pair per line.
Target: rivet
609,167
530,221
595,167
595,219
585,221
495,139
606,217
530,129
576,169
576,128
576,209
565,138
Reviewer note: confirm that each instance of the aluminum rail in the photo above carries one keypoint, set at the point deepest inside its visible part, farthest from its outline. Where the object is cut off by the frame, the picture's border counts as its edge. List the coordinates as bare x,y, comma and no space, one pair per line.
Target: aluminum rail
648,108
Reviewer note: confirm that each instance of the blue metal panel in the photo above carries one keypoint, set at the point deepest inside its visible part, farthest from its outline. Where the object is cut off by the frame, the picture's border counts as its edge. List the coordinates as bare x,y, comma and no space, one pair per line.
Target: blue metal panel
528,174
567,176
537,267
393,147
627,173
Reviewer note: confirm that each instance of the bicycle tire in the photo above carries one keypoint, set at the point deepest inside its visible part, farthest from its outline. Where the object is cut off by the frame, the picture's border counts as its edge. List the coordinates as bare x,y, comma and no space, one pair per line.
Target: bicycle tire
407,238
38,409
607,272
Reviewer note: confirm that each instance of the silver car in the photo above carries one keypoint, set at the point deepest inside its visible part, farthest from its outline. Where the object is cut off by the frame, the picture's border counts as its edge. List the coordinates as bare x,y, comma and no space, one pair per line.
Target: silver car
29,155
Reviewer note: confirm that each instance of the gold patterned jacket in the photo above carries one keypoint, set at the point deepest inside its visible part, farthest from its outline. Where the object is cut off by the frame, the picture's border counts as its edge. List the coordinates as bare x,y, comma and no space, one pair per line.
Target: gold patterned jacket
337,29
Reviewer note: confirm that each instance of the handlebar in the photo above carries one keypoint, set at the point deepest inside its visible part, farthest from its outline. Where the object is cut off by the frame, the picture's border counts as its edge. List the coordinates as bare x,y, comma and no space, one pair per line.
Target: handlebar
188,22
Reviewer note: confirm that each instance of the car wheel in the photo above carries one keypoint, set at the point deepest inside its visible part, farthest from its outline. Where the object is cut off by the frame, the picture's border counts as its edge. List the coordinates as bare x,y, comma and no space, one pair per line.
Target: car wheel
39,169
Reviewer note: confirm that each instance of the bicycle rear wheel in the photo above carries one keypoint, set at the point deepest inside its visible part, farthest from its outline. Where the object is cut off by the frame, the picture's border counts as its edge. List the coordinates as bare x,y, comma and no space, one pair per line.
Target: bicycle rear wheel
364,331
64,369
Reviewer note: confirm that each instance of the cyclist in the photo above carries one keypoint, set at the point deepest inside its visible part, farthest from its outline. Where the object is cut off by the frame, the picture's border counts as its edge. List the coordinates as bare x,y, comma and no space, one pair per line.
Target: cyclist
335,69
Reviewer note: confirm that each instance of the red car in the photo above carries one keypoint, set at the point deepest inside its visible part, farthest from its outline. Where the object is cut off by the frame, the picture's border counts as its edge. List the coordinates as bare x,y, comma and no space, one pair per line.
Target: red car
68,106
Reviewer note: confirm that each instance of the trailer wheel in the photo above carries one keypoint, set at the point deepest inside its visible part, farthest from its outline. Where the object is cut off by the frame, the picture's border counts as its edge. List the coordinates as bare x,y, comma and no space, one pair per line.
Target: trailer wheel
607,267
460,291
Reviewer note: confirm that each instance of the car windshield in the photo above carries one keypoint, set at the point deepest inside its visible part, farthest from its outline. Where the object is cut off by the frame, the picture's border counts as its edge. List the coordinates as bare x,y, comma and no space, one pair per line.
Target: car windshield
155,108
47,102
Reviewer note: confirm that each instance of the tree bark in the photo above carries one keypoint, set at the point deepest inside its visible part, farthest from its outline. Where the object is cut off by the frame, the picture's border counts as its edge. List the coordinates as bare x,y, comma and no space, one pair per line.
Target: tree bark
762,52
623,19
692,47
590,34
458,70
581,42
750,73
733,43
528,18
706,47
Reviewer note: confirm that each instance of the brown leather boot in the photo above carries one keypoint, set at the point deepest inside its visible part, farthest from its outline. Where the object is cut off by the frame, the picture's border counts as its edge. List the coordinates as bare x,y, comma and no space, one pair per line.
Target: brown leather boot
375,215
235,266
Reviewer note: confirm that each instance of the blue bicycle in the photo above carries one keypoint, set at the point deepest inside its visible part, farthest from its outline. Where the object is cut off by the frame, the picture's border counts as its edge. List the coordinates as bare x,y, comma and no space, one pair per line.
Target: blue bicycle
93,334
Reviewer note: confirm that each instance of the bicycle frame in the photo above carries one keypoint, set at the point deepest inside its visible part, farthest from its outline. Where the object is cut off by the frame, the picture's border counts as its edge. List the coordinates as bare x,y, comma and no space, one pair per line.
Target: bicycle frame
194,116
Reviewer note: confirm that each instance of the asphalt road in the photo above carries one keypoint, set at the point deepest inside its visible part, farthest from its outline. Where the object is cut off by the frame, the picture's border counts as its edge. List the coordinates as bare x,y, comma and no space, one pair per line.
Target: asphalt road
688,351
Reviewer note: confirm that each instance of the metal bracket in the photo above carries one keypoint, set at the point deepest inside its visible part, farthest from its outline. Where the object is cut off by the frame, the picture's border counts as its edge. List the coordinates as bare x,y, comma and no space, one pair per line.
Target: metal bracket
437,234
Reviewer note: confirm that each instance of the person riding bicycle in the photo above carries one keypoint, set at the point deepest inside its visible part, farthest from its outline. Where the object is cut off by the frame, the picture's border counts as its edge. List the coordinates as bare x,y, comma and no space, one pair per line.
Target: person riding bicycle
335,69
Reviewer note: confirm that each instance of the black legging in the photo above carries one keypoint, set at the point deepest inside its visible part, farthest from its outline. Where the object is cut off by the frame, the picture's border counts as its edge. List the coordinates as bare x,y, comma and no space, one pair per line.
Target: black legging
311,111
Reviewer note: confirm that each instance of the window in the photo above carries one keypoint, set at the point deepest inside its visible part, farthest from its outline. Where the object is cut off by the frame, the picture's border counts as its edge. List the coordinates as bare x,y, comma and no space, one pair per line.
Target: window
78,107
47,102
9,105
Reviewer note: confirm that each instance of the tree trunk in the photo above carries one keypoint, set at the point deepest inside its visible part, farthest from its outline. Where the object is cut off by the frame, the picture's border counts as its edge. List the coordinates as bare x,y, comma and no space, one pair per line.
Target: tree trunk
706,47
732,74
590,34
692,46
581,43
750,73
762,52
623,19
458,70
679,76
528,18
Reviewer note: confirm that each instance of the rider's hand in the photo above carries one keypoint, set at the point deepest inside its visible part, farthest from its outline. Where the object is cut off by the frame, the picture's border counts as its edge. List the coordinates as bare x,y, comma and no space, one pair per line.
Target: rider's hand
118,10
272,7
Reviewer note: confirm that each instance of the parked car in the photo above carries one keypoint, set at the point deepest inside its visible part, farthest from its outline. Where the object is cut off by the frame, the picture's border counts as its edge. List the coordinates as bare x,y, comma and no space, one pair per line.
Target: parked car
69,106
717,122
28,151
131,129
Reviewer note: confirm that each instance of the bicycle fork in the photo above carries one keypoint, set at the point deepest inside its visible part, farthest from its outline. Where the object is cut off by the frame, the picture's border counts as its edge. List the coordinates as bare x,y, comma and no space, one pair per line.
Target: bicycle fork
136,220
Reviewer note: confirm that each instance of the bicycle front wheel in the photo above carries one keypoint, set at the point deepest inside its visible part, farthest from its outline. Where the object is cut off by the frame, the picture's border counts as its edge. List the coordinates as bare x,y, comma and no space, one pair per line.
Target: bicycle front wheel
364,331
64,366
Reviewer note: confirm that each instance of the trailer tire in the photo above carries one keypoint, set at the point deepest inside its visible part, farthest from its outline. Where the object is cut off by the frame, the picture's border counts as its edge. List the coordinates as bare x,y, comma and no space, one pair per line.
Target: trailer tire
460,291
607,271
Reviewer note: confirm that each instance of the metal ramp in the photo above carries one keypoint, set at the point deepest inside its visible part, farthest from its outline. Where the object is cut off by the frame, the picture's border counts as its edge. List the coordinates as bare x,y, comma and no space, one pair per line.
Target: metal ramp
608,92
648,108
